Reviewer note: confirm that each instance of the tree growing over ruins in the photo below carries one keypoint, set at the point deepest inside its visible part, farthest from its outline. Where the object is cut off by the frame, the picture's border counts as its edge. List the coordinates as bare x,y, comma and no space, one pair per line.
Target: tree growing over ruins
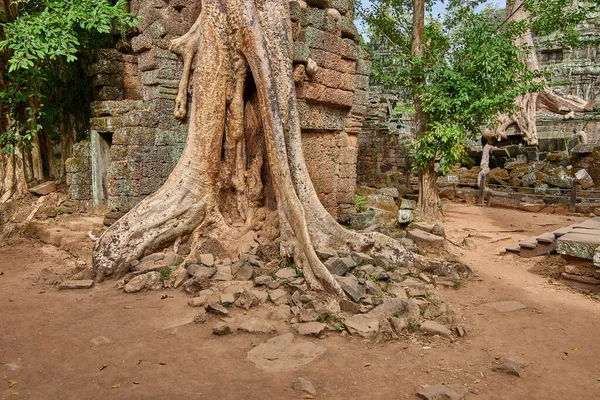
462,71
242,171
38,40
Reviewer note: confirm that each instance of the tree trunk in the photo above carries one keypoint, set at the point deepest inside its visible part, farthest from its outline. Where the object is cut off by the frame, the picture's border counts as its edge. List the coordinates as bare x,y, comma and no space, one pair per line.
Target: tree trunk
528,105
428,191
243,145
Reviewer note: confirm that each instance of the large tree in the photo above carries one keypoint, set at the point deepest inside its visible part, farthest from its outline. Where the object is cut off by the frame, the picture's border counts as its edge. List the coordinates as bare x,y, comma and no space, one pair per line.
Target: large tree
543,17
243,146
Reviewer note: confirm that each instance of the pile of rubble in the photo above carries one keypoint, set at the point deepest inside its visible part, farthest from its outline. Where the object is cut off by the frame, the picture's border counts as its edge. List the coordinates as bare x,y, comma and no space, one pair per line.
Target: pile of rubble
382,301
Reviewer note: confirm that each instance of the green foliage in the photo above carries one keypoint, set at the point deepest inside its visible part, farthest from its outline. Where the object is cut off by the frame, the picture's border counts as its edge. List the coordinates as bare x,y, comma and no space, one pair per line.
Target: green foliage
48,29
165,274
359,203
36,47
471,69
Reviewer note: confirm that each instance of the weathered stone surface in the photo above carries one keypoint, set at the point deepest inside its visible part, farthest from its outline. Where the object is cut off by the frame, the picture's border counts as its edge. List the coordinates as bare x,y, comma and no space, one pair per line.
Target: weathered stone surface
433,328
443,392
244,273
217,309
76,284
263,280
406,204
381,202
281,313
508,367
362,220
390,307
340,266
349,306
222,328
200,271
584,179
426,241
315,329
207,259
281,354
43,188
256,325
201,317
362,325
150,281
286,273
399,325
279,296
304,386
405,216
506,306
351,287
227,298
307,315
196,284
246,300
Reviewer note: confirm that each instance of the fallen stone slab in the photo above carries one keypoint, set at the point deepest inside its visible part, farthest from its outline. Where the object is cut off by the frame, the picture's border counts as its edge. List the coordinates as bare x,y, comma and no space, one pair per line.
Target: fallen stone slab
506,306
150,281
43,188
256,325
217,309
340,265
76,284
433,328
286,273
443,392
316,329
426,241
351,287
222,328
281,354
509,367
362,325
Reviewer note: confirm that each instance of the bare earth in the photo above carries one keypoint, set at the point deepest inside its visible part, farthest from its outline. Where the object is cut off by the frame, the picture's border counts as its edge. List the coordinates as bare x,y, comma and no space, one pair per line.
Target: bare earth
156,353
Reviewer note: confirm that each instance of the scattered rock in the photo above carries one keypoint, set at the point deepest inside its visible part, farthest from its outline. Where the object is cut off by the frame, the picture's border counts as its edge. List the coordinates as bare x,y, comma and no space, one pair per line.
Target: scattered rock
307,315
362,325
223,273
506,306
426,241
584,179
263,280
222,328
76,284
150,281
246,300
325,254
315,329
256,325
100,340
397,307
439,230
443,392
386,333
351,287
279,296
244,273
227,298
200,271
349,306
406,204
461,331
201,317
281,313
405,216
399,325
340,265
196,284
217,309
469,243
304,386
207,259
286,273
433,328
261,296
281,354
508,367
43,188
178,277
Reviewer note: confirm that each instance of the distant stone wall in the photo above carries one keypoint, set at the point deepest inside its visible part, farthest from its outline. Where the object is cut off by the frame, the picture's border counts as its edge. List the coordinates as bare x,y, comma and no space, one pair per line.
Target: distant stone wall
79,173
132,117
384,144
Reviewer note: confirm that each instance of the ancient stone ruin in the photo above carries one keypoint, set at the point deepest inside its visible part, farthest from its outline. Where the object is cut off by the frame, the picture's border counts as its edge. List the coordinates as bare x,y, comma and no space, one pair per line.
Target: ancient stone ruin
136,142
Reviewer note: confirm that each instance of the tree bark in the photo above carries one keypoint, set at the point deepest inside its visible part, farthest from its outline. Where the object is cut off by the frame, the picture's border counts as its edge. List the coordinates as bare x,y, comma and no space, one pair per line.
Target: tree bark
243,146
528,105
428,191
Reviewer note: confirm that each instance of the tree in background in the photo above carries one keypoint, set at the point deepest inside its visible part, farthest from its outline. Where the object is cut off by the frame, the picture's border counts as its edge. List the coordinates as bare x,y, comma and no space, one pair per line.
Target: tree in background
463,71
41,94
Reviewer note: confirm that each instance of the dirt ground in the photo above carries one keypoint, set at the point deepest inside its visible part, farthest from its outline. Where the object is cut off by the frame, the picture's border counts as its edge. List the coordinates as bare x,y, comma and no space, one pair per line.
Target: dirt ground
154,352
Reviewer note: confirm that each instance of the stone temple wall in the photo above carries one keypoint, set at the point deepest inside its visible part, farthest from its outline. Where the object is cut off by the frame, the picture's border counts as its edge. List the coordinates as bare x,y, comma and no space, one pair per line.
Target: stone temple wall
136,142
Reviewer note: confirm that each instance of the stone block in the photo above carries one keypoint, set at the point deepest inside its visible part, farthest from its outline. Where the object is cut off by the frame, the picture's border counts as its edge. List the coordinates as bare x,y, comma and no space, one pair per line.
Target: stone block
107,80
108,93
148,60
321,40
301,52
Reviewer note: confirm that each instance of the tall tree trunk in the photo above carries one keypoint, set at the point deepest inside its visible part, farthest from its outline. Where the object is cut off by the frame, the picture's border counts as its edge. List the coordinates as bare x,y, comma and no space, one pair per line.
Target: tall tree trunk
428,192
243,143
528,105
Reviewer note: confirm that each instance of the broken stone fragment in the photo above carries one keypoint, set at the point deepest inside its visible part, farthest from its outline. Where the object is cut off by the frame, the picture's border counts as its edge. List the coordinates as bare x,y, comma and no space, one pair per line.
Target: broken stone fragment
279,296
351,287
316,329
362,325
256,325
286,273
222,328
443,392
244,273
263,280
150,281
304,386
281,313
340,265
217,309
43,188
508,367
433,328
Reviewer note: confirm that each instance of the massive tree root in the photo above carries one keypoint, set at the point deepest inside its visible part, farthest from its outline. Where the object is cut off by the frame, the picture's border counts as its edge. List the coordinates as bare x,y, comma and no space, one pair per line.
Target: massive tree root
527,106
243,167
